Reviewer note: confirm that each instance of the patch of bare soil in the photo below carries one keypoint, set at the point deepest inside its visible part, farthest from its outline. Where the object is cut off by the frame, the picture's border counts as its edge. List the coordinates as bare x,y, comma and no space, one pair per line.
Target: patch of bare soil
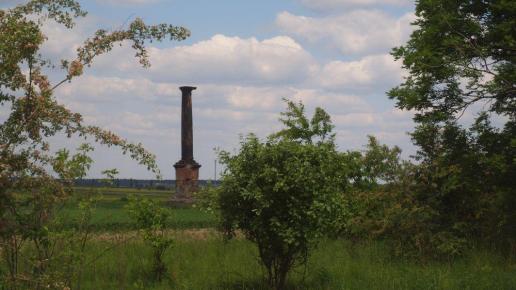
188,234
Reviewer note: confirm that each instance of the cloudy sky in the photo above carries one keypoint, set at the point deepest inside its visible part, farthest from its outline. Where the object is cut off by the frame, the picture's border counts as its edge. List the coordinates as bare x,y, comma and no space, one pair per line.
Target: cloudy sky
244,57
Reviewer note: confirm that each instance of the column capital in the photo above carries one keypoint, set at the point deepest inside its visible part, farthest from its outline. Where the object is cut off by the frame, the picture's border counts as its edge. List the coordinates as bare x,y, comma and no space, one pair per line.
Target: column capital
187,88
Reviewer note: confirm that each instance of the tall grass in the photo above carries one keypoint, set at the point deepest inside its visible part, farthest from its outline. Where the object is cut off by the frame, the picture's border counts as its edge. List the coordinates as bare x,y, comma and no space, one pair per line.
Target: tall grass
209,263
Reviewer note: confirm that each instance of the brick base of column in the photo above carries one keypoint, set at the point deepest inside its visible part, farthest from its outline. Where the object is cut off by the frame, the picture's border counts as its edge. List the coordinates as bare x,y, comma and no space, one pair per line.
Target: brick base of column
187,175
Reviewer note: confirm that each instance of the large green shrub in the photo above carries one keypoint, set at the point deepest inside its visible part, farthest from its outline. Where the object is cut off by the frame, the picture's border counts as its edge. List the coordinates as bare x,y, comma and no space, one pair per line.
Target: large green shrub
283,194
467,177
460,193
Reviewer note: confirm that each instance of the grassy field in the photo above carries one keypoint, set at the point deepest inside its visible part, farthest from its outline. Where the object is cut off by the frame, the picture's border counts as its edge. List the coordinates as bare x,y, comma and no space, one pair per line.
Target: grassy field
200,259
110,215
114,192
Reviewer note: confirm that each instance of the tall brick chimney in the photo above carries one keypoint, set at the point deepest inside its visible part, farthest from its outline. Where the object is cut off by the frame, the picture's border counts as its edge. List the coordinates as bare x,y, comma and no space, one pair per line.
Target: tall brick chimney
187,170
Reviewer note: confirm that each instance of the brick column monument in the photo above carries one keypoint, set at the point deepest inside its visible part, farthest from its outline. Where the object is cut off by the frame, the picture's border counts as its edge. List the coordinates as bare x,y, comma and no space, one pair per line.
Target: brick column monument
187,170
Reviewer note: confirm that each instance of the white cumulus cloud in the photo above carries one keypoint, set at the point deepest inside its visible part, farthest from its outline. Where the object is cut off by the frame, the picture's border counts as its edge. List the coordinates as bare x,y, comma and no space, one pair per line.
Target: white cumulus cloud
223,59
326,5
359,32
374,72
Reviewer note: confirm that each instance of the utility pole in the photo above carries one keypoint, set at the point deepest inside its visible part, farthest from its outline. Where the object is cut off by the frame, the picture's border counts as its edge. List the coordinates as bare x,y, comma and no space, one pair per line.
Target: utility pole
215,171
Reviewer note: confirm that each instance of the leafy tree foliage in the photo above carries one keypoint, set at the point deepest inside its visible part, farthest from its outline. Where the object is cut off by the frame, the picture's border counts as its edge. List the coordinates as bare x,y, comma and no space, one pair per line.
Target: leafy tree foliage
283,193
378,179
462,52
300,129
462,57
377,165
28,190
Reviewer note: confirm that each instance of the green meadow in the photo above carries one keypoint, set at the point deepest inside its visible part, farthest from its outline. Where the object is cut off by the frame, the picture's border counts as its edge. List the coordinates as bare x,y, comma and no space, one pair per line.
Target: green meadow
200,258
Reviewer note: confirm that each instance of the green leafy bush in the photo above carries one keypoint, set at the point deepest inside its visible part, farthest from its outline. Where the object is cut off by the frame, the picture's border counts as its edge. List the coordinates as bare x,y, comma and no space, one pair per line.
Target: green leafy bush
151,219
283,194
30,231
460,194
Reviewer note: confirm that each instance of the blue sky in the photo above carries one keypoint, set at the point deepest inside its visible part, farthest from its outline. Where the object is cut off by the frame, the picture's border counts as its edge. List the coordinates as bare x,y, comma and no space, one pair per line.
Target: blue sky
244,57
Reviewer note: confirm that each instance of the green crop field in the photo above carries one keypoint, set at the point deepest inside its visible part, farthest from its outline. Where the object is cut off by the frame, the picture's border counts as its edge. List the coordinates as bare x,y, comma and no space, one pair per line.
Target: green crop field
114,192
109,212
